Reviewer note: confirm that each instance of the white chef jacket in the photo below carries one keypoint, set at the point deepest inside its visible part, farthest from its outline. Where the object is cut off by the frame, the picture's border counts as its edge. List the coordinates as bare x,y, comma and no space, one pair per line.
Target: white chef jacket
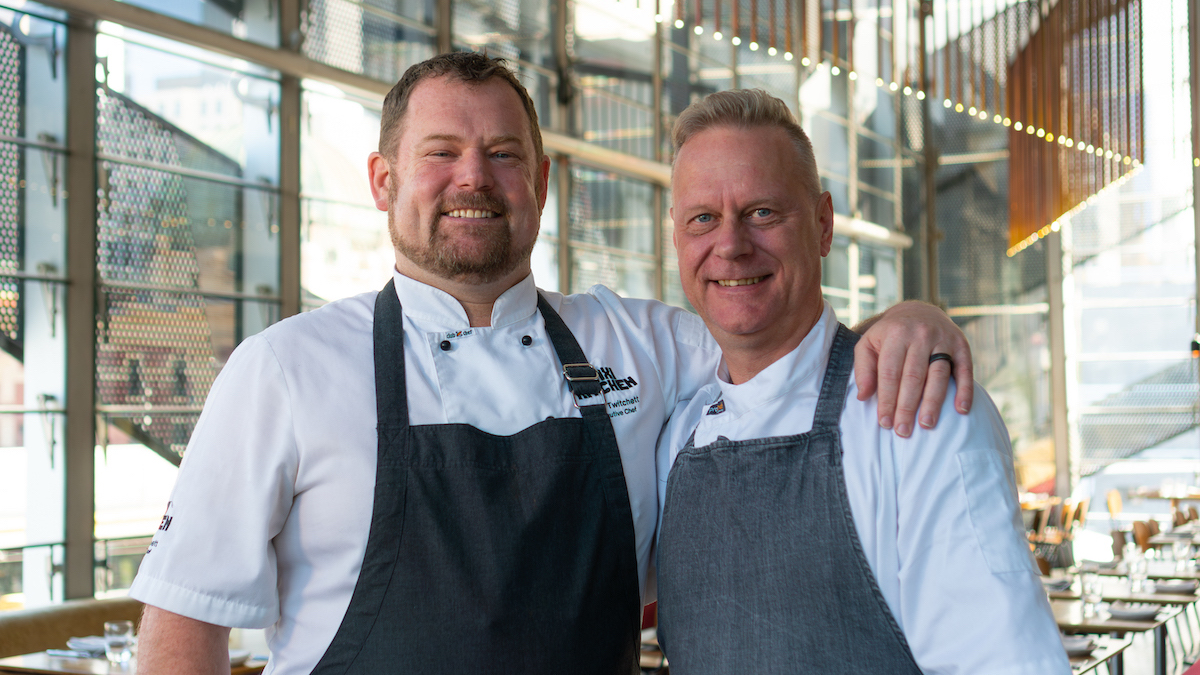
937,513
268,521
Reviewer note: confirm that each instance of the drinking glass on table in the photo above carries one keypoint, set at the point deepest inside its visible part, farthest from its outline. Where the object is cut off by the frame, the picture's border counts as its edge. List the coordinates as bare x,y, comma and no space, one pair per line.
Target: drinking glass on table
1091,591
1182,548
118,641
1137,574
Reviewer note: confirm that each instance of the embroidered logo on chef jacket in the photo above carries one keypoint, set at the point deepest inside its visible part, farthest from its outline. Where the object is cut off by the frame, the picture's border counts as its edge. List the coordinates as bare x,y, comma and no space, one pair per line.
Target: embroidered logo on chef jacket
458,334
612,383
716,408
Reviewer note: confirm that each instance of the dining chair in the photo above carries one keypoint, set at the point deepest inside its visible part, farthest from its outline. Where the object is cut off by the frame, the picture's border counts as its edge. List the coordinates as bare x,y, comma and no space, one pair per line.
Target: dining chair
1141,535
1178,518
1118,544
1192,513
1114,506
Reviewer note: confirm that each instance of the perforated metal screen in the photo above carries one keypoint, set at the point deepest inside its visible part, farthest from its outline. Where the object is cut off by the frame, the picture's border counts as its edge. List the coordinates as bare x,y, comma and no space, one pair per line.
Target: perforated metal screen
378,38
154,330
12,169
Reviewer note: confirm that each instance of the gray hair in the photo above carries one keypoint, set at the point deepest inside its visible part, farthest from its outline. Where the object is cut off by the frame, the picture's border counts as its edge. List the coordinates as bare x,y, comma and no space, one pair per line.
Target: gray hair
745,108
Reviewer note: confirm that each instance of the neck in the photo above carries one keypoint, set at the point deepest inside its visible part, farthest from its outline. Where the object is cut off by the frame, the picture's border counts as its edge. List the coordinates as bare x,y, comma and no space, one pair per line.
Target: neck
477,298
748,355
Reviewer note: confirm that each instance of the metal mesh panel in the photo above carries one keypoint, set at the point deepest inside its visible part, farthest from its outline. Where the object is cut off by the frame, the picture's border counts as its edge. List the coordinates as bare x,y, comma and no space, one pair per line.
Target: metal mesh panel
12,169
616,113
612,211
513,29
1140,416
1133,269
379,39
612,233
155,341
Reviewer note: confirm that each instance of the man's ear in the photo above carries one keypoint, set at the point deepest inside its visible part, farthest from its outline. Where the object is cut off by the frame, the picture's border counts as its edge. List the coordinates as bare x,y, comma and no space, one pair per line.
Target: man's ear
825,222
674,230
379,172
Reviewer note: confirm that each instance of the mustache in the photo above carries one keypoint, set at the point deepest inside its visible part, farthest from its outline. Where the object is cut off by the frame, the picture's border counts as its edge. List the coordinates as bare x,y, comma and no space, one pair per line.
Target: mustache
472,200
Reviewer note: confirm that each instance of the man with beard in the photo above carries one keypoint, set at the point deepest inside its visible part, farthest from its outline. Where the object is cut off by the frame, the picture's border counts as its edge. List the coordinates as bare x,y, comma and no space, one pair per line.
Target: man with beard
508,435
797,537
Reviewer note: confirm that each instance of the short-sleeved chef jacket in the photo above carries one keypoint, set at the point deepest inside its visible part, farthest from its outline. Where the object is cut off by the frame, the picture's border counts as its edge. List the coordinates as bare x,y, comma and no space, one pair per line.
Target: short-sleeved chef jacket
269,518
936,513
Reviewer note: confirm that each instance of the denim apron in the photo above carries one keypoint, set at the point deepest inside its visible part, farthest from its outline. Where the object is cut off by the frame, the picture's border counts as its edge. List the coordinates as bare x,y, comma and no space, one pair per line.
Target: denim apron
493,554
760,568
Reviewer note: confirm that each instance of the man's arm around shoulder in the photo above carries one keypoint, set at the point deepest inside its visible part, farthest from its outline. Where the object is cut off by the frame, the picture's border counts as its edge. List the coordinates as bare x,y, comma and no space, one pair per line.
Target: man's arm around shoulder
171,644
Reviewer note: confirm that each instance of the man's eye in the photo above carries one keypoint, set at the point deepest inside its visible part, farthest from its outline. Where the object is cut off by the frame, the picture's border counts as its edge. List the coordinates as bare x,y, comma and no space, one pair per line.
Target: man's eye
502,155
762,213
704,218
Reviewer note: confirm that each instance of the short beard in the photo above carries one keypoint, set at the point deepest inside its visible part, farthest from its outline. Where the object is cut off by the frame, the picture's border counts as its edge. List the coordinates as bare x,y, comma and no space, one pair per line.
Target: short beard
441,257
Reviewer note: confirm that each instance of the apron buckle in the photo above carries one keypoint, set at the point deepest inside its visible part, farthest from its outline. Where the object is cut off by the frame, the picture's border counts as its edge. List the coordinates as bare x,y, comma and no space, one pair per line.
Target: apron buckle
588,379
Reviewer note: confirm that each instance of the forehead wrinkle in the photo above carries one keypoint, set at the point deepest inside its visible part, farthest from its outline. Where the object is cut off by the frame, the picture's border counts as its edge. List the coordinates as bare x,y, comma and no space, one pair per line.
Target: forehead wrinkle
455,138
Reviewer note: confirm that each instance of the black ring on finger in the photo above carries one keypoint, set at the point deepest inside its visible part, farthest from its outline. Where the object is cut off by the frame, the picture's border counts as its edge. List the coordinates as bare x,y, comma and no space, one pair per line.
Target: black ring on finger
941,356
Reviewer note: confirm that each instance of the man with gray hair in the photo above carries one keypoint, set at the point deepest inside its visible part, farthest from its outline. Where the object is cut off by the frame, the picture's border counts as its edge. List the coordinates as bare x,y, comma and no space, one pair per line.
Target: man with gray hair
796,537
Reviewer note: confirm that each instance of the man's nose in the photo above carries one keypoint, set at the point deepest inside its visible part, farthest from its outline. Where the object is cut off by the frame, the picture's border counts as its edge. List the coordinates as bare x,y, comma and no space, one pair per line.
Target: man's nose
733,239
474,172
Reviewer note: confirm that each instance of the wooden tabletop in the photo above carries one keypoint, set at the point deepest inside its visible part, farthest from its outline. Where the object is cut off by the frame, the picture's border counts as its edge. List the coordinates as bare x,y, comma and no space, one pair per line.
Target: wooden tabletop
1069,616
1106,648
42,663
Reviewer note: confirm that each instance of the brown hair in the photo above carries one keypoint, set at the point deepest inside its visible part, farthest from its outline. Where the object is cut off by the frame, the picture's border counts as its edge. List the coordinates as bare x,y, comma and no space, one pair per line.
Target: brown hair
748,108
469,67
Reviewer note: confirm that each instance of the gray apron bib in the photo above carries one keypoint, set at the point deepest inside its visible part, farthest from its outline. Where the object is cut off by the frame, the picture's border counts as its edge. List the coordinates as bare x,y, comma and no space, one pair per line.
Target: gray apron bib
492,554
760,568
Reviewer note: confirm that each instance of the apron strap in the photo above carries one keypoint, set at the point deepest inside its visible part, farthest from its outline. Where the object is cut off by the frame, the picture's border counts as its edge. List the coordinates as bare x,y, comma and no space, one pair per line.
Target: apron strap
391,397
837,377
582,377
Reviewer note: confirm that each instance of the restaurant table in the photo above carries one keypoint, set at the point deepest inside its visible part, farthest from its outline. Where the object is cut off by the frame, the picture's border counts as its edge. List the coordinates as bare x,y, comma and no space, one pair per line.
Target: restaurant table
1116,589
1108,650
1155,569
1069,616
41,662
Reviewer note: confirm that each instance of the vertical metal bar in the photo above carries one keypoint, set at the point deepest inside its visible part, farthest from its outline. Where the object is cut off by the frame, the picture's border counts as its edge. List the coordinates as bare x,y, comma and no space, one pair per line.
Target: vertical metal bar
802,10
1194,87
834,33
656,93
1123,31
892,29
997,17
80,313
850,38
1055,262
445,34
958,53
929,232
949,74
735,19
820,4
717,16
754,21
787,27
1140,138
974,66
289,169
699,8
563,173
879,39
771,43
